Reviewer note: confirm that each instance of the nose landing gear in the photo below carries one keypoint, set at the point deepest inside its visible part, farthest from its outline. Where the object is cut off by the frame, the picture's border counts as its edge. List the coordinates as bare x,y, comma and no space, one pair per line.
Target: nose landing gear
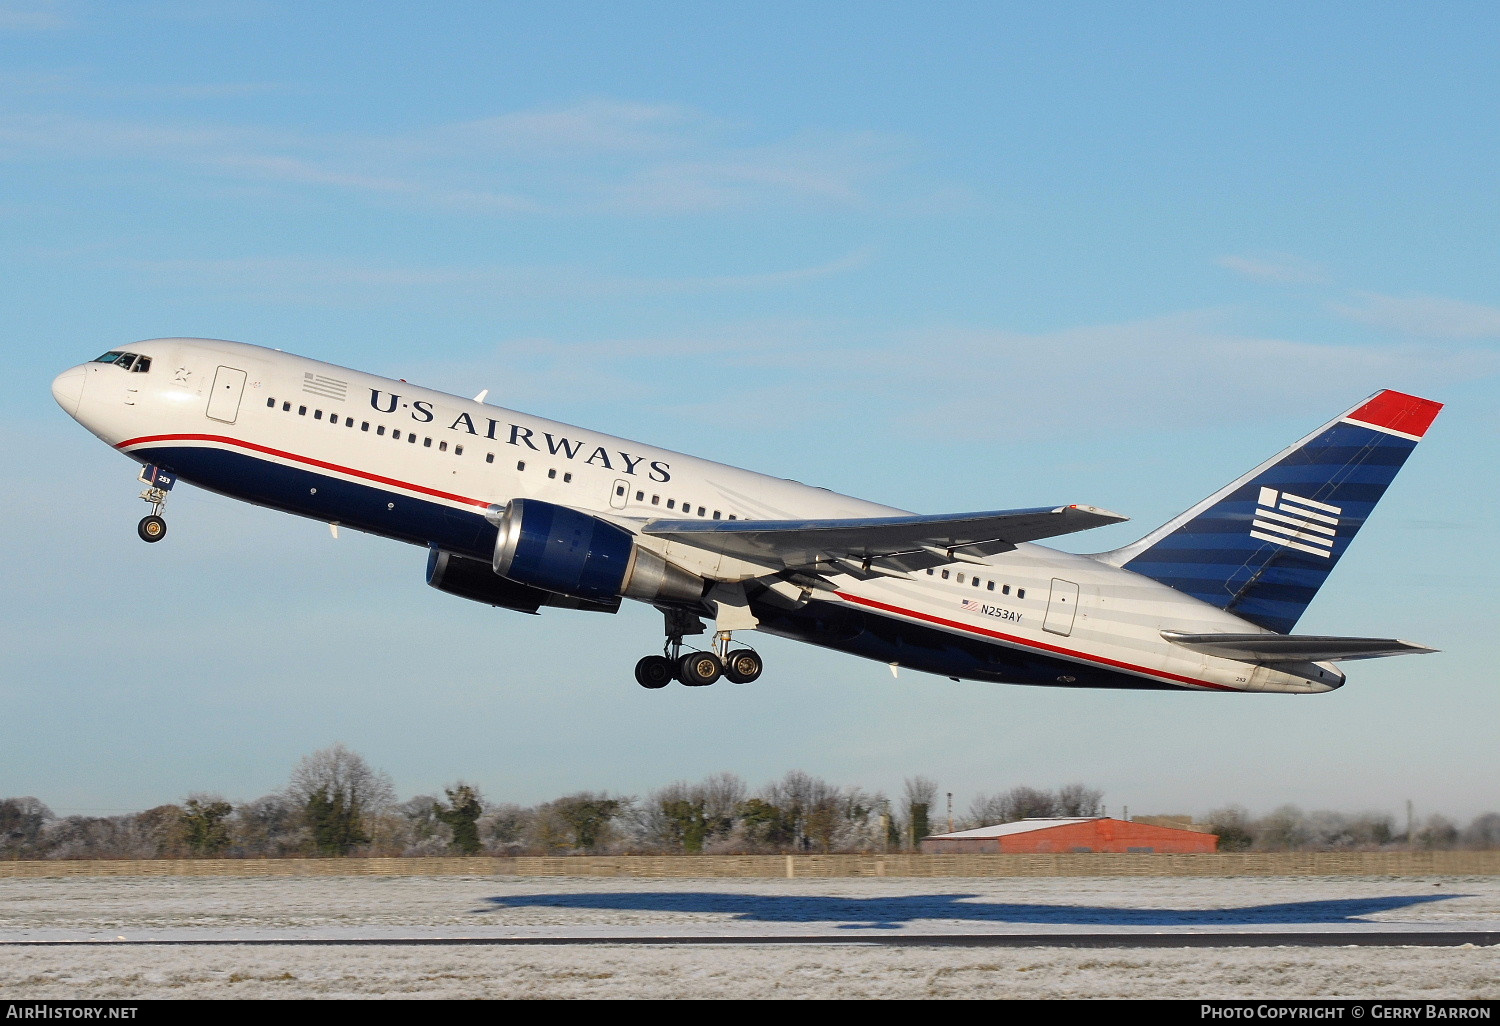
153,528
696,669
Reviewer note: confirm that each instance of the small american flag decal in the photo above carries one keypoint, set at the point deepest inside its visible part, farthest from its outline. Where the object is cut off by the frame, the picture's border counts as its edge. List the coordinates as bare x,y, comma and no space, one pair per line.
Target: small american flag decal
1295,522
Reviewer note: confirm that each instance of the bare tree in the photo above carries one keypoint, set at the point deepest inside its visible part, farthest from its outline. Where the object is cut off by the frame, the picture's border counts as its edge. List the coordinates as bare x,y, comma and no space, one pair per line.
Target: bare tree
1438,832
1283,830
503,829
1077,800
921,793
1233,827
424,831
337,790
1483,832
268,827
21,823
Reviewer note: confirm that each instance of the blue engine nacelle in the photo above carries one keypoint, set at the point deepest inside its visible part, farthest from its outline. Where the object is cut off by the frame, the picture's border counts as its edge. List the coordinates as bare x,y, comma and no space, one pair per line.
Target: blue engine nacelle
473,579
560,549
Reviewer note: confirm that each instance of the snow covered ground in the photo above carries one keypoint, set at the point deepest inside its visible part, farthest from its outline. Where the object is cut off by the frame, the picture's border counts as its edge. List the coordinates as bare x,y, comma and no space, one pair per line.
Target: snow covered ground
836,914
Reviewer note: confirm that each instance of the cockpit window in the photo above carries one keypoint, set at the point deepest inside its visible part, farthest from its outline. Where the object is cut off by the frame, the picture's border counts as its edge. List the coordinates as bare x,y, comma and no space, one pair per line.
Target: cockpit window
126,361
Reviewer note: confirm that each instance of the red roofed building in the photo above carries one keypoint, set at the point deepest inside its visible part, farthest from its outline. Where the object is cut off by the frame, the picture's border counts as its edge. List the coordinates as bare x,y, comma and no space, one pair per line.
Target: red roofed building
1061,836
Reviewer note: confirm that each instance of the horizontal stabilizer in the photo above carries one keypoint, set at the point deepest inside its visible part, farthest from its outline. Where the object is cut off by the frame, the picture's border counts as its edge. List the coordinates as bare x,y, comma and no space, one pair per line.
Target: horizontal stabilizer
1292,648
902,543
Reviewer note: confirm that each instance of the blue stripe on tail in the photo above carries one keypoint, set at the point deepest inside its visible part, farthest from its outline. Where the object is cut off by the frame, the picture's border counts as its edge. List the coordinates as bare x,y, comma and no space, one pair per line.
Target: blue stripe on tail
1263,545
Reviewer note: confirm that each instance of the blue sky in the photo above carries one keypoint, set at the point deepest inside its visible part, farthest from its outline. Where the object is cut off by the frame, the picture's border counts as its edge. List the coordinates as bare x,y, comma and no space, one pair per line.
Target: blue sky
945,256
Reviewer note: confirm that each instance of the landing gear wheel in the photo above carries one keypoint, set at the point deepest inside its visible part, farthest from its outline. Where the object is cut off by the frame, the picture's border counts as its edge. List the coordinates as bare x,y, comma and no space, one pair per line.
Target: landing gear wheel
699,669
653,672
152,528
742,666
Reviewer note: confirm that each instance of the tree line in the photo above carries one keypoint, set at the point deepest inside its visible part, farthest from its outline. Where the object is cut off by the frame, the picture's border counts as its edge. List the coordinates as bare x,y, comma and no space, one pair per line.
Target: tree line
336,804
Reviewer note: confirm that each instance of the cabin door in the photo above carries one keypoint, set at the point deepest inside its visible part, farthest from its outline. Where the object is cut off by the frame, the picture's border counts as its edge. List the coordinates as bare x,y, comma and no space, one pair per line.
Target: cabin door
224,400
1062,605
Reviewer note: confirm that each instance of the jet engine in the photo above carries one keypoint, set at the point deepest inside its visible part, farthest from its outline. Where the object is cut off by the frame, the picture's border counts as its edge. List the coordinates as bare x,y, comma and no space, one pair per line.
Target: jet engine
557,548
474,579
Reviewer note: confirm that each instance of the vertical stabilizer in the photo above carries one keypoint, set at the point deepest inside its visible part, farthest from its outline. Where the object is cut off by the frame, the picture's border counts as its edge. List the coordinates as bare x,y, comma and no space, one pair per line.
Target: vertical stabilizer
1263,545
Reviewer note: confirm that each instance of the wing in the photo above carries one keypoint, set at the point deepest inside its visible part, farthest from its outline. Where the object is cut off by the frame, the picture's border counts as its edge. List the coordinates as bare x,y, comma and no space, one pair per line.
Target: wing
880,544
1292,648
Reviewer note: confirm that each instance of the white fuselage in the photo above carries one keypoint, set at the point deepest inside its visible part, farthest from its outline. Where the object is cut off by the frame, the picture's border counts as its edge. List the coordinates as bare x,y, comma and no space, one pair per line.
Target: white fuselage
390,457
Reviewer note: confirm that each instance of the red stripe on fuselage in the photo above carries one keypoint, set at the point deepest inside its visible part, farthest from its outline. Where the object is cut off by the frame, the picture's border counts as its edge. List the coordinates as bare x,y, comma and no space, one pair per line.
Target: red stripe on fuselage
321,464
1025,643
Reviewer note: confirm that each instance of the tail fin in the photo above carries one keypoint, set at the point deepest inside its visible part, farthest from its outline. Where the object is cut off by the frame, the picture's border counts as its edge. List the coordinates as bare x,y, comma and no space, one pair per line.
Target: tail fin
1263,545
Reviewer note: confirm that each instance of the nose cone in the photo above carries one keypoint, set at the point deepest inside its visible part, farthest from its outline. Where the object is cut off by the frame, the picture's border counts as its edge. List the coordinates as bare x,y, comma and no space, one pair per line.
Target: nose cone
67,389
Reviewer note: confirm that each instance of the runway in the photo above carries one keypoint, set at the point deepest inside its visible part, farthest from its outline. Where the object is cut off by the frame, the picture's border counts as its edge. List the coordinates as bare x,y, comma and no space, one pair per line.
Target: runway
509,937
1370,938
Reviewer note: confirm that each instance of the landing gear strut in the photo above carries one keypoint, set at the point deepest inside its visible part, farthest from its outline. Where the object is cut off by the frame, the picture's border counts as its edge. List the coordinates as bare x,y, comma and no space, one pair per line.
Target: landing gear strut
695,669
153,528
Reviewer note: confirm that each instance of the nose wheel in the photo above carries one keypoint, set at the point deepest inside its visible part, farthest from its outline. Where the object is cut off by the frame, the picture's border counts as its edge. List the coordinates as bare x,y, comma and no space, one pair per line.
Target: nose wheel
153,528
696,669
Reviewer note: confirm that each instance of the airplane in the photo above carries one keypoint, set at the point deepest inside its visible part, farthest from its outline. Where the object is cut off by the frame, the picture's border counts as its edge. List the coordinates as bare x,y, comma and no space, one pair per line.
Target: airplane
524,513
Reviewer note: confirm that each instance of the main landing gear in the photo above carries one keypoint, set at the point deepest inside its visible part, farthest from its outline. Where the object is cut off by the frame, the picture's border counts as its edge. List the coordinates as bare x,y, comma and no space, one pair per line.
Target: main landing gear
153,528
696,669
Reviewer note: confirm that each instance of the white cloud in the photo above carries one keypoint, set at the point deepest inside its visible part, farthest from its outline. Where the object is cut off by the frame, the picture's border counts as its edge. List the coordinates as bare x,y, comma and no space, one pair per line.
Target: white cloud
34,17
1426,316
326,282
597,156
1276,268
1151,375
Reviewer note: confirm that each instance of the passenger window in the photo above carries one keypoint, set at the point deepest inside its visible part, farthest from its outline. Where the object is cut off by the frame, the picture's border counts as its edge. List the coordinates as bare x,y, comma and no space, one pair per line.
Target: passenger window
716,515
364,425
411,437
380,429
427,443
567,478
640,496
552,472
656,500
286,407
1005,590
1020,593
619,489
671,504
976,582
442,447
302,411
520,465
989,585
960,578
317,414
271,403
945,575
396,434
458,450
